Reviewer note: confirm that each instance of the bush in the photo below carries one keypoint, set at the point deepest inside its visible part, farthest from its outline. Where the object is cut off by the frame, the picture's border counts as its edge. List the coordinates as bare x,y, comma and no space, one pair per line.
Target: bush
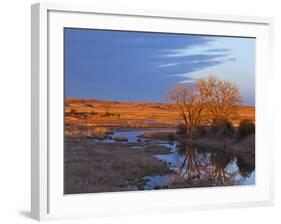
221,127
89,105
73,111
201,131
107,114
93,113
181,129
246,127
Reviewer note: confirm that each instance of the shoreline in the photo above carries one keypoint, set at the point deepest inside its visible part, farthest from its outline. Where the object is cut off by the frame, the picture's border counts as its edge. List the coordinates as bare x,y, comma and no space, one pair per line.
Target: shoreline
229,145
131,146
100,166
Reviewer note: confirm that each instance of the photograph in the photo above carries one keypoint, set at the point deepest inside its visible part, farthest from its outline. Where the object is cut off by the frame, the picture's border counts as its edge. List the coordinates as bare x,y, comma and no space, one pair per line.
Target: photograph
153,111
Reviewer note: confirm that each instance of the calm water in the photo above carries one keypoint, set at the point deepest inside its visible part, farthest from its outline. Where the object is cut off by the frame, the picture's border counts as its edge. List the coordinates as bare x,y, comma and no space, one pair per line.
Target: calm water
132,136
196,166
207,167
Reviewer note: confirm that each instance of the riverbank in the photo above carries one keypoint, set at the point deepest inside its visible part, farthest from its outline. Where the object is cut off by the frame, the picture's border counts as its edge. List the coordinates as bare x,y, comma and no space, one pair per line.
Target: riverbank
123,146
151,160
246,145
107,167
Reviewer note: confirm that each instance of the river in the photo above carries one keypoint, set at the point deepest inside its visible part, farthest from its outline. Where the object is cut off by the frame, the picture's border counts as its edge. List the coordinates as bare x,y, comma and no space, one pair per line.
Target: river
196,166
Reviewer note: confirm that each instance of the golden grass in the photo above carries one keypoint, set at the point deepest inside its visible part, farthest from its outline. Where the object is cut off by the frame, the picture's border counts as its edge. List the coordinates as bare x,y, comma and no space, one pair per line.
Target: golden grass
131,114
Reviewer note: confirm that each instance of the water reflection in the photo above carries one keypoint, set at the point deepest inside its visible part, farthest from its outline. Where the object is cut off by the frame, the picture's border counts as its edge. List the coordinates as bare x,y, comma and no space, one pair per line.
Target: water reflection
210,167
246,165
194,166
219,172
191,166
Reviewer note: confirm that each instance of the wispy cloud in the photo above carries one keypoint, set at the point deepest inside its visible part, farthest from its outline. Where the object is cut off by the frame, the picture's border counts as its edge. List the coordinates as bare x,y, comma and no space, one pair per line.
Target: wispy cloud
167,65
188,81
188,59
194,50
216,50
182,75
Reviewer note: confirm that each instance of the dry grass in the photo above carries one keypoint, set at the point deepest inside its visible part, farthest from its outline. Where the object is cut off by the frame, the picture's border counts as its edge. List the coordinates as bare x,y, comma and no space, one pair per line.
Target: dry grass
168,136
102,167
101,130
92,113
78,131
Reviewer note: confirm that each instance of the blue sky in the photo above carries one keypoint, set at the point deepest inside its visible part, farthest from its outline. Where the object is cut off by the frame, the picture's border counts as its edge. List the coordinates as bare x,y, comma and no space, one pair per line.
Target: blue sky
138,66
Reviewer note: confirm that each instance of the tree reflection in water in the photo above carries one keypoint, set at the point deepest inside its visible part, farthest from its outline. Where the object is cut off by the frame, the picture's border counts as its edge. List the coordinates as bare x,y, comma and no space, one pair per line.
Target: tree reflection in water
246,165
219,175
191,165
212,168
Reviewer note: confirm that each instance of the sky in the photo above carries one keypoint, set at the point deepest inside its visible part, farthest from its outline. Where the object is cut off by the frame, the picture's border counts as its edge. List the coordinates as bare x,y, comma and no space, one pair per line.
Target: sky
142,66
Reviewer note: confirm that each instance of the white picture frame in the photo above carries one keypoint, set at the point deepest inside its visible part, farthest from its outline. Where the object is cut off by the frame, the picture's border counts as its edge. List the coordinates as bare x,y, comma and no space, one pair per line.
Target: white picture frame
47,199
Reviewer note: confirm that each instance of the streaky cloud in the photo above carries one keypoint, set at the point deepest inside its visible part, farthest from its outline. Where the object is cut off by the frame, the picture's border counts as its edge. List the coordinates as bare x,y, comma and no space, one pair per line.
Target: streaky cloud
167,65
188,81
215,50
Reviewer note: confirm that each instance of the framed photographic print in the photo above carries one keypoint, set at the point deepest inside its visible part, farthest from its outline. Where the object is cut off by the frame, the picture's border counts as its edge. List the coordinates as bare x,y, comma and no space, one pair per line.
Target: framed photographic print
138,111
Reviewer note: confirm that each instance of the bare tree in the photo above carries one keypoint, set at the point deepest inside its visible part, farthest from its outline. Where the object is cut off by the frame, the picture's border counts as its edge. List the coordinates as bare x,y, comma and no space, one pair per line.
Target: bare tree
222,97
190,105
210,99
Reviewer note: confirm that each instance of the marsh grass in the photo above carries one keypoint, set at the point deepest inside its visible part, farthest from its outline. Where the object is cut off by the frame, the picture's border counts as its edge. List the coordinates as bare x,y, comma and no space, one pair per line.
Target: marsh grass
101,167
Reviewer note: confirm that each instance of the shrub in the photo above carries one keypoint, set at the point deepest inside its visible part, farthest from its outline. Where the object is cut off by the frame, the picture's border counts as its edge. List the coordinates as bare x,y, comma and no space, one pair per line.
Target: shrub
181,129
107,114
89,105
201,131
93,113
73,111
221,127
246,127
120,139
